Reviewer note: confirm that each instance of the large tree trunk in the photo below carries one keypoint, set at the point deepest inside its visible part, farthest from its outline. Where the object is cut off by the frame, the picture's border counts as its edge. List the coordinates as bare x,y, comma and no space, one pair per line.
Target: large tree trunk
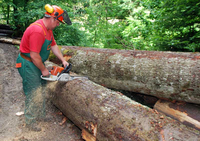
162,74
110,115
117,117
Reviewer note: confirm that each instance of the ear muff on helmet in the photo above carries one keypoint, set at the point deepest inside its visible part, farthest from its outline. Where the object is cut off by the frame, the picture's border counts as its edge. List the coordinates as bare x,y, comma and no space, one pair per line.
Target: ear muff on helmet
58,13
49,8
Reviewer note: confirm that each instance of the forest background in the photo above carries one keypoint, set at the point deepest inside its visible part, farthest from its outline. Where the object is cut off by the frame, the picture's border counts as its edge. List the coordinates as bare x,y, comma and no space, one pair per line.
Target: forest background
162,25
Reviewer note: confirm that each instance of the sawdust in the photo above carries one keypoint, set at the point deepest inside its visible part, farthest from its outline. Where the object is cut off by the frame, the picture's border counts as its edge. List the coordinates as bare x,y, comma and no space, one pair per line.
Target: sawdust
51,86
38,95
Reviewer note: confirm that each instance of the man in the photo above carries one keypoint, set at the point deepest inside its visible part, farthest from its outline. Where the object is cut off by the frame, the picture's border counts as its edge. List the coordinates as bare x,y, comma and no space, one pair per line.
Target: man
35,47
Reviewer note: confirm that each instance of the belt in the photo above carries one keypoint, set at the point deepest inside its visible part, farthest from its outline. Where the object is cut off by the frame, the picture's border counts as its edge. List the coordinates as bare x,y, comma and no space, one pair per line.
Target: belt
25,57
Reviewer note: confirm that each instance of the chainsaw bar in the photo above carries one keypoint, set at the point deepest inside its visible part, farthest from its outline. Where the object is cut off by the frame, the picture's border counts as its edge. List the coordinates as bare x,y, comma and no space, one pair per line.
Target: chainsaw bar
62,77
67,77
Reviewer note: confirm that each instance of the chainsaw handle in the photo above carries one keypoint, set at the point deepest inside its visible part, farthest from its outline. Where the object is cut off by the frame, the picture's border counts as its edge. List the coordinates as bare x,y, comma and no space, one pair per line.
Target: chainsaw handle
67,68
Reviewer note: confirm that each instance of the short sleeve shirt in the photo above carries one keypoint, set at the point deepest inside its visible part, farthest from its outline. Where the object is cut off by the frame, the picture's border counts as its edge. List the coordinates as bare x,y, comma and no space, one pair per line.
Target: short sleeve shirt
34,38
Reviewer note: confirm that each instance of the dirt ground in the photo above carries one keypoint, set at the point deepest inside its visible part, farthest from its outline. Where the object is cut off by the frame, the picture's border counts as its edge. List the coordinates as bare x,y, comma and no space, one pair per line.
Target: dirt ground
12,101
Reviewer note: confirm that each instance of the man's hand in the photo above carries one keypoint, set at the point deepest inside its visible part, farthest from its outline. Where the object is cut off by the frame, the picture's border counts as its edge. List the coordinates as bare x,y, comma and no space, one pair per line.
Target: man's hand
45,72
65,64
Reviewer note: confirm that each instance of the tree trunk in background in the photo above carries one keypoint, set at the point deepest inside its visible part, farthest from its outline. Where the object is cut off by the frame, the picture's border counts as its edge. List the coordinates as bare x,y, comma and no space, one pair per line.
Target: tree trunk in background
15,2
117,117
172,75
8,14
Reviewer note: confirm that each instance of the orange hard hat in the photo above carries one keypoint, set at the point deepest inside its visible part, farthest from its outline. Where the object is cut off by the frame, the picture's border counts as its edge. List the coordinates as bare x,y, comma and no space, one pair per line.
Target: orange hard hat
57,12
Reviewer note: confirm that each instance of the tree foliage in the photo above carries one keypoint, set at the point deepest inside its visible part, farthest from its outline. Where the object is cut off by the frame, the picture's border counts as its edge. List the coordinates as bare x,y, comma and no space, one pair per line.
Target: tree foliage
123,24
176,24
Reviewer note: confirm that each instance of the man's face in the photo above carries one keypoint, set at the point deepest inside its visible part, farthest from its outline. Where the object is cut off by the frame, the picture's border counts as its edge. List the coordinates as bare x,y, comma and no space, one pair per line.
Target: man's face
54,23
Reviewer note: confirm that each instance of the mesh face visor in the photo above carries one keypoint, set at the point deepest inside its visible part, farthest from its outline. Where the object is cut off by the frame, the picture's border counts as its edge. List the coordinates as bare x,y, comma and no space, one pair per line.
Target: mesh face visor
64,18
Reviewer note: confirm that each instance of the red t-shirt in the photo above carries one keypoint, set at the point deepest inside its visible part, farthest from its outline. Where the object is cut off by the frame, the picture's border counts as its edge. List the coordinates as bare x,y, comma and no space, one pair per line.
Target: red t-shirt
34,38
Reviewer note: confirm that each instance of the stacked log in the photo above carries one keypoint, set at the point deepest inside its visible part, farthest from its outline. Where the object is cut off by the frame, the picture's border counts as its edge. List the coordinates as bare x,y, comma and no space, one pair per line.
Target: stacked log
6,30
112,116
10,40
6,33
103,114
171,75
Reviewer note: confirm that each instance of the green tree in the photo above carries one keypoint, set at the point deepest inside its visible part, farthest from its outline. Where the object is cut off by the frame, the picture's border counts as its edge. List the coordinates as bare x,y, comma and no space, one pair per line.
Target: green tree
176,25
101,22
123,24
21,13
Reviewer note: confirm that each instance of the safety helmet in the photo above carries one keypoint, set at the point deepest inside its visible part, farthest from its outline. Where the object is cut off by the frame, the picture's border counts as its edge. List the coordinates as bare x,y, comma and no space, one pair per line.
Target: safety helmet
58,13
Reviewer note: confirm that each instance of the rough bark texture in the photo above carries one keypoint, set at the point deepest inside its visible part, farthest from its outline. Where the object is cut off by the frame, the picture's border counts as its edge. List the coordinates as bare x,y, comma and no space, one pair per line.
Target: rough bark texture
117,117
162,74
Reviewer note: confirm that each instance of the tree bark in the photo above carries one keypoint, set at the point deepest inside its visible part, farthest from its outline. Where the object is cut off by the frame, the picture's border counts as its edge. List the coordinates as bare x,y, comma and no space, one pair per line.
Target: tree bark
10,41
6,31
117,117
109,115
5,26
172,75
184,112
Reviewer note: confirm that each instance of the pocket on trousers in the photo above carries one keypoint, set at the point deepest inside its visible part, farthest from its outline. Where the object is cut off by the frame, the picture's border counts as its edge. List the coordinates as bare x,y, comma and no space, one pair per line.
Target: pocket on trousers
18,65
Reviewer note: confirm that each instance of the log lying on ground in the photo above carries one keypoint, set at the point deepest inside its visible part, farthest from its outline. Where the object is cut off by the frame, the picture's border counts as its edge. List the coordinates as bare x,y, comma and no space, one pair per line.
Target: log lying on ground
10,41
162,74
5,30
117,117
110,115
184,112
5,26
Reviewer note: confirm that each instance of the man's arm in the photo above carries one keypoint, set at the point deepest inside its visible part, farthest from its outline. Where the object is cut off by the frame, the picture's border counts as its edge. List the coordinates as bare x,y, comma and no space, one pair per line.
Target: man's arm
37,61
58,53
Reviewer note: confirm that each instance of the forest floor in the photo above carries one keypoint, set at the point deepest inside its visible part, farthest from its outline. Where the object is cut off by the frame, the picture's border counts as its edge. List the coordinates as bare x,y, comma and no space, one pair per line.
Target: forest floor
12,100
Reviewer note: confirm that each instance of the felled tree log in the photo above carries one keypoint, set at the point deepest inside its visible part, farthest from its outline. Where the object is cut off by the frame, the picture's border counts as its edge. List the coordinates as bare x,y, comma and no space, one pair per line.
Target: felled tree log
117,117
172,75
109,115
10,41
5,26
184,112
6,31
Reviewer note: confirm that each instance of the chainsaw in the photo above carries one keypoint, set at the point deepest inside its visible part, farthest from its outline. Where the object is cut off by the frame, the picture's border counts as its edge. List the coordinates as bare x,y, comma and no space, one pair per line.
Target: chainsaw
60,74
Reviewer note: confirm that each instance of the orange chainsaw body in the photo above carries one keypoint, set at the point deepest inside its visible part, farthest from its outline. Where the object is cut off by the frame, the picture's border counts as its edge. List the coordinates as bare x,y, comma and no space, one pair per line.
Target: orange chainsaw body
55,70
60,74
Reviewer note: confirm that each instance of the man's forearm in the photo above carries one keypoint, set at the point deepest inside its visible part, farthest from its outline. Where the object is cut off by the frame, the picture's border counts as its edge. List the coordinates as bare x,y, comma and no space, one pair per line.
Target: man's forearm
57,52
37,60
